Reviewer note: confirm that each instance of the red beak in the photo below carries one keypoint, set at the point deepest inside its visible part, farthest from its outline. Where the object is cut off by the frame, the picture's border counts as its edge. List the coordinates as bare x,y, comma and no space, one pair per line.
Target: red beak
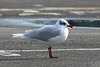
70,26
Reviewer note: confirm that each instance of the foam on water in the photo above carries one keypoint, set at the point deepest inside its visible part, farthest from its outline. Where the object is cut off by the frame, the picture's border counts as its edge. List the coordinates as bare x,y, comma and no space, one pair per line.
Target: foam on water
12,22
27,22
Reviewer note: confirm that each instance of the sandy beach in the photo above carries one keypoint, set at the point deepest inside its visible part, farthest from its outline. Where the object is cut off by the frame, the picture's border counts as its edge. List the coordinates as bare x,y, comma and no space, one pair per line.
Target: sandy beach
81,49
48,3
86,40
78,38
32,8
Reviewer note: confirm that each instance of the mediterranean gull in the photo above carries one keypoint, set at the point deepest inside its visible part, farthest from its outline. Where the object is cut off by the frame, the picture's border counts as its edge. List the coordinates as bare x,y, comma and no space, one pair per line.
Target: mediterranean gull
57,33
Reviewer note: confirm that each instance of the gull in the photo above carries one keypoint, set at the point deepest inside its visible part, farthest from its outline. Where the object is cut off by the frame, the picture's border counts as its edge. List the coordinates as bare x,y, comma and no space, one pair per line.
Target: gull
56,33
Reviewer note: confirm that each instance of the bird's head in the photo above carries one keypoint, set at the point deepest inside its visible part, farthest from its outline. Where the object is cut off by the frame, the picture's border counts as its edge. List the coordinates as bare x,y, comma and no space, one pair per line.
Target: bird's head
63,23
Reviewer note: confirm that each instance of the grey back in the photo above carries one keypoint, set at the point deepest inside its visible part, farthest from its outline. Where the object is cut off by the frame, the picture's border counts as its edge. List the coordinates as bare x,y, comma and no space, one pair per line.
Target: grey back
43,34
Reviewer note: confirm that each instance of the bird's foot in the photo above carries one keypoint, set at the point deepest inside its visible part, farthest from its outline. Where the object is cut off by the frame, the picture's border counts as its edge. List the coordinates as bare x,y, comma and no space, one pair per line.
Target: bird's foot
50,53
53,57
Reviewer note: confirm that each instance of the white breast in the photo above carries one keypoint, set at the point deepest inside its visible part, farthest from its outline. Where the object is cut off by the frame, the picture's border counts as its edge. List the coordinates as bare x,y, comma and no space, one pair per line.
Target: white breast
61,38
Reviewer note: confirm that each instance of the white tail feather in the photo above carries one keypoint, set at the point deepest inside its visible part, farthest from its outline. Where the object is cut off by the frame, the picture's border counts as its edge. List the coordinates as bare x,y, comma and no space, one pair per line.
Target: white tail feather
27,31
17,35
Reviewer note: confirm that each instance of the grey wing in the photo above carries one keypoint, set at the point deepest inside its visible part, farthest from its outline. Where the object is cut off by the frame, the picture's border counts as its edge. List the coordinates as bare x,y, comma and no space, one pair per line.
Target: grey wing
43,34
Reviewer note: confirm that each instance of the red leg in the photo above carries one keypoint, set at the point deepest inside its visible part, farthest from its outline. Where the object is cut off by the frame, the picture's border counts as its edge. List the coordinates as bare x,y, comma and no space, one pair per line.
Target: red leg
50,53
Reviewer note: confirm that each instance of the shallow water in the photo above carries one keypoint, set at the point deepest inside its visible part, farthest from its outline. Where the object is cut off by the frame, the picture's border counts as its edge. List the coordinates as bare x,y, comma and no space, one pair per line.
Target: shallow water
38,22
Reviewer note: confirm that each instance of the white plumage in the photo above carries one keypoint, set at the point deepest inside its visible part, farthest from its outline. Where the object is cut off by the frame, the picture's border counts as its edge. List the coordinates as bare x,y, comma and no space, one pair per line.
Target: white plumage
57,33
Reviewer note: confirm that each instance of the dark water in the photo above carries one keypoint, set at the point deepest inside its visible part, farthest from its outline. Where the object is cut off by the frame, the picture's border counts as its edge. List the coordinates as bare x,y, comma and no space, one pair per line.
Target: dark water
37,22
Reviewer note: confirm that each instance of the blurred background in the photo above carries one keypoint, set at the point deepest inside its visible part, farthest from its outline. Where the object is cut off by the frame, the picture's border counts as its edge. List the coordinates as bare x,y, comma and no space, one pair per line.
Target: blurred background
77,12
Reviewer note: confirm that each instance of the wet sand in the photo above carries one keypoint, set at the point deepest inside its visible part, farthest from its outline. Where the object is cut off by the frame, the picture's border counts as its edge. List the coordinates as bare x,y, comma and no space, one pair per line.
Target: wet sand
31,4
48,3
78,38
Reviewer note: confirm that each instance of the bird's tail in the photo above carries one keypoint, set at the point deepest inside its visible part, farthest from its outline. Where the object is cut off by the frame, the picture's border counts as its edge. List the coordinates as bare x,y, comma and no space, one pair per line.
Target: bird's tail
17,36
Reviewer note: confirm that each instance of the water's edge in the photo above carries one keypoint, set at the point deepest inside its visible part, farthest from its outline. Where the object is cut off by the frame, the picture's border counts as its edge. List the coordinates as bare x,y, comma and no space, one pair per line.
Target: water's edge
38,22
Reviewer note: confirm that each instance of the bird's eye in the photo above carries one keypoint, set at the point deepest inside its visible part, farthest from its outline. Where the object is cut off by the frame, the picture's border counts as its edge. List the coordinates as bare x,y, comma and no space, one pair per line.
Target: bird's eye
62,23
